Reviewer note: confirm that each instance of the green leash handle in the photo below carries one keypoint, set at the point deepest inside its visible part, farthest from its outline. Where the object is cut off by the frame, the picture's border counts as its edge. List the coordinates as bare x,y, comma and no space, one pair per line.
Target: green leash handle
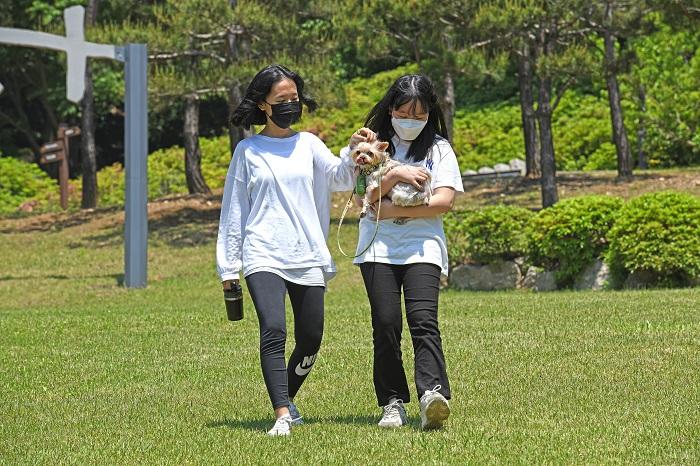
361,185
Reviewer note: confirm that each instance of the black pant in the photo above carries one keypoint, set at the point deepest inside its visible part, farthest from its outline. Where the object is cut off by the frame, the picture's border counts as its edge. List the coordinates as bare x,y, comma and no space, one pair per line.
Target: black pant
421,286
268,293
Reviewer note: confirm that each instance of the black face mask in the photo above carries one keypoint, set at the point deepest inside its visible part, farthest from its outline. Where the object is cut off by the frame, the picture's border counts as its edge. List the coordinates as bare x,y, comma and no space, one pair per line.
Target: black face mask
285,114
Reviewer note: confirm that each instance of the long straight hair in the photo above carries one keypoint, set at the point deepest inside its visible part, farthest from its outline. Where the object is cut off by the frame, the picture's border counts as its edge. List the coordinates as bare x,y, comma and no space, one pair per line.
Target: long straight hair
409,88
248,113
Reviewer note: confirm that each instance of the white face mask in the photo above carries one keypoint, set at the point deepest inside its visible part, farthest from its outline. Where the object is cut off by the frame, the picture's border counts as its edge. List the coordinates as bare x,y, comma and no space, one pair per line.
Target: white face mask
408,129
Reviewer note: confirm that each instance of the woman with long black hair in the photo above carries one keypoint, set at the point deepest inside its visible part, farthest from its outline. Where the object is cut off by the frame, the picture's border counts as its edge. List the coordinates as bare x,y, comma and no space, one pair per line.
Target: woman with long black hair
409,252
275,216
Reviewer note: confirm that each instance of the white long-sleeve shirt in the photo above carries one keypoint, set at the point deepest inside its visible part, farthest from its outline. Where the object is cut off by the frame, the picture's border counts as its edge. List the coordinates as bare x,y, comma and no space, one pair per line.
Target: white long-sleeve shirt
275,212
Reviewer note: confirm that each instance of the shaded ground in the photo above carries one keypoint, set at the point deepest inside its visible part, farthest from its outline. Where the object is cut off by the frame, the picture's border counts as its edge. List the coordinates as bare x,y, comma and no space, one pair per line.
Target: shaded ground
526,193
189,220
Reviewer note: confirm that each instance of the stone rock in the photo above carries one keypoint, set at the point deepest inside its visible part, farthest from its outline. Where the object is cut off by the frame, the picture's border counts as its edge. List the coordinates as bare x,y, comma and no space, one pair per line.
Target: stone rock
640,279
501,275
28,206
594,277
538,279
502,167
486,171
469,172
517,164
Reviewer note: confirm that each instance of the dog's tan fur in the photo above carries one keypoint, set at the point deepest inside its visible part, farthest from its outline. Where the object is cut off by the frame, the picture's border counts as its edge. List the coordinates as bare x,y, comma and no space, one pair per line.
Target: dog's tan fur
373,157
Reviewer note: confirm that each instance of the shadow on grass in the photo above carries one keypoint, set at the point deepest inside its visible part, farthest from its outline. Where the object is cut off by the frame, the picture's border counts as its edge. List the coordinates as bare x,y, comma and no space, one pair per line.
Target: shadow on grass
265,424
370,421
245,424
183,228
119,277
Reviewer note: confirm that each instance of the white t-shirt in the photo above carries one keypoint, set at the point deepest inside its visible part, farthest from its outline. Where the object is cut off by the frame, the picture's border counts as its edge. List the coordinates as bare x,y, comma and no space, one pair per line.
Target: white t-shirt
275,212
418,240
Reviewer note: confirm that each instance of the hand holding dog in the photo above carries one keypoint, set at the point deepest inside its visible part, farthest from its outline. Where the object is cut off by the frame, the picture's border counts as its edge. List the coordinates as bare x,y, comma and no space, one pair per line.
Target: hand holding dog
416,176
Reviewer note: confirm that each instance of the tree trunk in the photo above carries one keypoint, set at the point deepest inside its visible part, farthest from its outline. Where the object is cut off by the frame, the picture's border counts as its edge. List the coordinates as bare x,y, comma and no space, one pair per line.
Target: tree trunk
449,103
193,154
548,181
88,152
235,133
624,156
642,128
527,113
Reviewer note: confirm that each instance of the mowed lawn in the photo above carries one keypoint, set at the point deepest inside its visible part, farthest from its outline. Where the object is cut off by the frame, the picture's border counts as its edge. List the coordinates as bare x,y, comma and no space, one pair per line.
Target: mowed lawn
91,373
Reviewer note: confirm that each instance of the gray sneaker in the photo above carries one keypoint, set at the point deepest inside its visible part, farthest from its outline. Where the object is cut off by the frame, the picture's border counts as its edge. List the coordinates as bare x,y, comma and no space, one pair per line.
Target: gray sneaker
294,413
434,409
393,415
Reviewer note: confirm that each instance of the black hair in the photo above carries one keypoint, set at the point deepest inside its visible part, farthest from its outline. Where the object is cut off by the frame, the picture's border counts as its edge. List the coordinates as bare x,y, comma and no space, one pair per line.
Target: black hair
248,113
409,88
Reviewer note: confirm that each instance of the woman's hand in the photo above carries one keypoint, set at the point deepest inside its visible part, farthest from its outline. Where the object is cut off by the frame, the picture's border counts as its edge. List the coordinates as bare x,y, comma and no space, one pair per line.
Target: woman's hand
416,176
387,209
362,135
229,284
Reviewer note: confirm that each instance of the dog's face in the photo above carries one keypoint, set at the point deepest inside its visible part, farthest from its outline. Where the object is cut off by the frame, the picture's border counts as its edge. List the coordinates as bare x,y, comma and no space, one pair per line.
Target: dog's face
370,153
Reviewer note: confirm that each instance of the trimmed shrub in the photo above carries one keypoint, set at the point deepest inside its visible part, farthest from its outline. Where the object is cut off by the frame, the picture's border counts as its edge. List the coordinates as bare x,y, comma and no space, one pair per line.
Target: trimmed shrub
497,232
21,182
488,234
569,235
657,234
455,235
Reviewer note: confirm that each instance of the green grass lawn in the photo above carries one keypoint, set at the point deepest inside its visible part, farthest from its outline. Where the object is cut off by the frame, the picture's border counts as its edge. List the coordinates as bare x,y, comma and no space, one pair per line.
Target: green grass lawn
93,373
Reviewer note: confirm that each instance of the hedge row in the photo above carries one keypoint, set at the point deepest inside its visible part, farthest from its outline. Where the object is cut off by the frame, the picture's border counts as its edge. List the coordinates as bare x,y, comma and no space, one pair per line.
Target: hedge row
657,234
22,182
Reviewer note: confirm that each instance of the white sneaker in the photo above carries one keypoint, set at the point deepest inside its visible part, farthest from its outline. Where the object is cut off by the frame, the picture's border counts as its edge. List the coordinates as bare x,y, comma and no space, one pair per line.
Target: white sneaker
434,409
394,415
283,426
297,419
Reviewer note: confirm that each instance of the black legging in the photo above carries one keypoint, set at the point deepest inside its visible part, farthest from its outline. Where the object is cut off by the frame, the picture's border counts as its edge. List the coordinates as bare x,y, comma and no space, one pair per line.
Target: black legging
268,291
421,286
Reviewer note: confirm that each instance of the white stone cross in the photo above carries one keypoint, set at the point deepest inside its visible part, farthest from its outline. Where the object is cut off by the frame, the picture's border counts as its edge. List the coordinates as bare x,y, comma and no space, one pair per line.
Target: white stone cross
77,50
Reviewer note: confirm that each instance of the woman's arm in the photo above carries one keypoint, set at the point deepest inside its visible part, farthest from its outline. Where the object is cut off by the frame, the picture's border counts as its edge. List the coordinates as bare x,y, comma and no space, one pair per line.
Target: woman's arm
338,171
235,208
441,202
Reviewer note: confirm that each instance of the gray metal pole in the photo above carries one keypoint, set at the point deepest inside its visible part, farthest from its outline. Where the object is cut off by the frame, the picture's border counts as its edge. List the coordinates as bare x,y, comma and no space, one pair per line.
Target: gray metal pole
136,146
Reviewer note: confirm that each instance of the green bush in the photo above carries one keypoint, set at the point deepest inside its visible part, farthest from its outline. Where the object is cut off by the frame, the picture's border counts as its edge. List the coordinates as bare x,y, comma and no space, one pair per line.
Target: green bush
492,134
569,235
21,182
497,232
457,245
166,171
658,234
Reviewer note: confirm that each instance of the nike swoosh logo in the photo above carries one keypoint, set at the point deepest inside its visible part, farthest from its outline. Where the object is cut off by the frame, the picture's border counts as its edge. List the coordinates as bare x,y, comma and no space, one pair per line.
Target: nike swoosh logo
300,371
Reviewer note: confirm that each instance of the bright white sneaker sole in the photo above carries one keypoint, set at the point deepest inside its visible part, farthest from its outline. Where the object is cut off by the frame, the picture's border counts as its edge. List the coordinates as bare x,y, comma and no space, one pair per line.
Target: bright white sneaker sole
390,425
435,415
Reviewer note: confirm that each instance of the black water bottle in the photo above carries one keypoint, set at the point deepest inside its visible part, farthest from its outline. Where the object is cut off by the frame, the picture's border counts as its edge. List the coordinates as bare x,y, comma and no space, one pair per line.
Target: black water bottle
234,302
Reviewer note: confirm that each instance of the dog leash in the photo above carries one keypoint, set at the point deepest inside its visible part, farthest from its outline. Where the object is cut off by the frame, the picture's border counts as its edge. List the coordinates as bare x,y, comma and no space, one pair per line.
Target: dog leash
376,227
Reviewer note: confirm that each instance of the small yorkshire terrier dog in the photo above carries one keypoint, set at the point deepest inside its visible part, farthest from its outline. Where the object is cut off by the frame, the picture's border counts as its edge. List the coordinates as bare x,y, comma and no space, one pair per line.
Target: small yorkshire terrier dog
374,162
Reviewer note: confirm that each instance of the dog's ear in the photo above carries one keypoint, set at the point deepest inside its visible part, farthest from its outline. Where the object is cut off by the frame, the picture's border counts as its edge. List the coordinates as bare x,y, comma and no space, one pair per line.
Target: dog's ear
383,146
